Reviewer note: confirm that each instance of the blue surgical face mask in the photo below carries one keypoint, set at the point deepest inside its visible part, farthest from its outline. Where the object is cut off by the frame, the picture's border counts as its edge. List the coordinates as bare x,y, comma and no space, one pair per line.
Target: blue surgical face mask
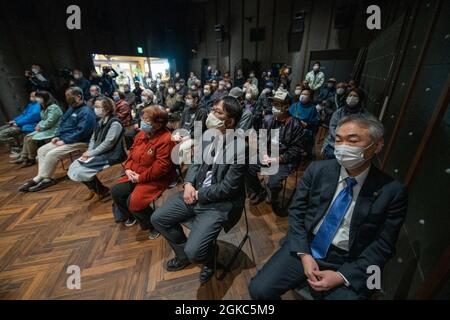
116,98
146,127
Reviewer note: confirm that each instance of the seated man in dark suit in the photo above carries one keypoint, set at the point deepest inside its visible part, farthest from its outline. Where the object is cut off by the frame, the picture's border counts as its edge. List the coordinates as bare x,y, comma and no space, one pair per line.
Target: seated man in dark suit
213,197
345,217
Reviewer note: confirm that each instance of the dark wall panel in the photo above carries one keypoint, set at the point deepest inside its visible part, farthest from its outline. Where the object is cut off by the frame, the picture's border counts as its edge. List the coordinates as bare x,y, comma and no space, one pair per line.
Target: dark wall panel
379,62
276,18
428,221
430,83
425,234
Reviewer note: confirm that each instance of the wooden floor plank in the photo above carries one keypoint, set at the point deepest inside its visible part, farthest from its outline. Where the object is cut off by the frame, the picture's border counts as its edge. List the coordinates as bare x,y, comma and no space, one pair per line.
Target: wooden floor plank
41,234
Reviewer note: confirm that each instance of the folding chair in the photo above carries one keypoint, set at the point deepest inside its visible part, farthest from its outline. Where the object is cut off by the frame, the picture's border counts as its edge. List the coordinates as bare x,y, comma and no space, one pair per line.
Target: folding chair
301,167
70,156
230,262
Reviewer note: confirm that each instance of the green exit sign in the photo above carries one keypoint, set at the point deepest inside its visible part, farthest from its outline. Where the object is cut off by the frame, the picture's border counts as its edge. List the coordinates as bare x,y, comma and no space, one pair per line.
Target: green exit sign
140,50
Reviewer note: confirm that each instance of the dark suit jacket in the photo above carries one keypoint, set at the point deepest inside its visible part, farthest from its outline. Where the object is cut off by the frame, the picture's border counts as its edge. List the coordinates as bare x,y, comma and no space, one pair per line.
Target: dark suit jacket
379,213
227,190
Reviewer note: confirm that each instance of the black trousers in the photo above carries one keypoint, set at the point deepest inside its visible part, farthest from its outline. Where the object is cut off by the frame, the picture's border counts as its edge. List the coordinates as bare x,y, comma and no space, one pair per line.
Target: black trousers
206,224
274,183
95,185
121,194
284,271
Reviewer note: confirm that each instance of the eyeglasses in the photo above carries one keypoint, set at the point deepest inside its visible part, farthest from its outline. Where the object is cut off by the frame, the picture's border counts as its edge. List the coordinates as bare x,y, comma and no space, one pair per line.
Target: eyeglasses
218,112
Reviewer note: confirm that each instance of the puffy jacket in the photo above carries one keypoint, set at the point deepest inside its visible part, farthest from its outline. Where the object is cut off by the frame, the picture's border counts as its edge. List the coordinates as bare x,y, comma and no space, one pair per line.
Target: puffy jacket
29,118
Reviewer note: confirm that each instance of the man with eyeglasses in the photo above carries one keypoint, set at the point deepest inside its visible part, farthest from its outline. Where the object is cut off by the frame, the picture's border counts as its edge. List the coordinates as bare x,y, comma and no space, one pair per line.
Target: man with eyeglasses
213,196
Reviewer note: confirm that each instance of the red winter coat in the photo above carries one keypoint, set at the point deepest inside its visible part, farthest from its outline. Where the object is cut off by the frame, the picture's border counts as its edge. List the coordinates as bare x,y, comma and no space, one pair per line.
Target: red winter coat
151,159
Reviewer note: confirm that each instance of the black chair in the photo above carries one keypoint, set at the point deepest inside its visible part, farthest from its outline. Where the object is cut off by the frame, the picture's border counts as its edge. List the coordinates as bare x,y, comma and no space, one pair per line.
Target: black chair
230,262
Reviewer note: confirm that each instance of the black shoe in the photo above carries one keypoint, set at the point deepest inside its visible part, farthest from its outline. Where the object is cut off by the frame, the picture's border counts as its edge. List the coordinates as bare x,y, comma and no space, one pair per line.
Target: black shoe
258,198
131,221
177,264
42,185
206,274
28,163
153,234
27,185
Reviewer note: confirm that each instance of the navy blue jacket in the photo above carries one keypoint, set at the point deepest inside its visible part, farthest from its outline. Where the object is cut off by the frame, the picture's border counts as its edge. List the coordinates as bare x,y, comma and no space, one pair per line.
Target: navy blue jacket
77,125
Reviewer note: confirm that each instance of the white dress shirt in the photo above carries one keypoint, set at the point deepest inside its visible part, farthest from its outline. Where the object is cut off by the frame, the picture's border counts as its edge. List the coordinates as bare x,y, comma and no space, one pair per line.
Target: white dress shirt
341,239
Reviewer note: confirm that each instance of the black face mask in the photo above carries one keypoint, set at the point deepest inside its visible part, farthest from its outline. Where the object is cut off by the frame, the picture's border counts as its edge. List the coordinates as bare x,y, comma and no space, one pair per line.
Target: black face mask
71,101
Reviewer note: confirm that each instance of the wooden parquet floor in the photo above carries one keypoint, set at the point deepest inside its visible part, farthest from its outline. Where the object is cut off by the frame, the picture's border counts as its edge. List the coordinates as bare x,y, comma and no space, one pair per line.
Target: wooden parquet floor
43,233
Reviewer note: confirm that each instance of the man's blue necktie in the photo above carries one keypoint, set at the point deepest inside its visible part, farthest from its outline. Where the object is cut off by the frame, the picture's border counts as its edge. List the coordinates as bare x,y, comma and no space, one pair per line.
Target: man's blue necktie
331,223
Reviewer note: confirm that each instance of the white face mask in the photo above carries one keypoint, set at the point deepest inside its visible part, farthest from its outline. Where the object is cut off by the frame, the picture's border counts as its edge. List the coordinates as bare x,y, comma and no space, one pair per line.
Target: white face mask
316,68
248,96
189,102
352,101
207,92
298,92
35,70
76,76
99,112
304,98
212,122
275,111
171,91
350,157
144,99
340,91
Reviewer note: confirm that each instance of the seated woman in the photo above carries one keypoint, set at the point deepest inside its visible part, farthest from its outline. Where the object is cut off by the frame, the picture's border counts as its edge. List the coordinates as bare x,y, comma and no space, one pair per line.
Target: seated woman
106,148
149,170
305,111
122,109
24,123
43,132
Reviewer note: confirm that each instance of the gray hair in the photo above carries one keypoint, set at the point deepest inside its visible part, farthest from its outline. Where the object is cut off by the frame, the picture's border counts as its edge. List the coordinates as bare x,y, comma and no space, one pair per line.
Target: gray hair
366,120
76,91
148,92
99,90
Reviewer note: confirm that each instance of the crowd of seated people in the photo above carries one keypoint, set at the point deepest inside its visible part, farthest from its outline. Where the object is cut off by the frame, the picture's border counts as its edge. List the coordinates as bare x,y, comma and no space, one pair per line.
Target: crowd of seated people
109,124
